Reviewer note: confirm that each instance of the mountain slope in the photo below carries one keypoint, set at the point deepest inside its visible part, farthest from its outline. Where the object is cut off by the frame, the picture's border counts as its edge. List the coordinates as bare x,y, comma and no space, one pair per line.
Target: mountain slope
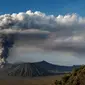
77,77
58,68
42,68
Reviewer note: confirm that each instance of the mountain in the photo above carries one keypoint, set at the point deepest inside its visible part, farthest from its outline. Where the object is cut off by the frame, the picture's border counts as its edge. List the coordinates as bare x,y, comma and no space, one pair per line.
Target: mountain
27,70
57,68
42,68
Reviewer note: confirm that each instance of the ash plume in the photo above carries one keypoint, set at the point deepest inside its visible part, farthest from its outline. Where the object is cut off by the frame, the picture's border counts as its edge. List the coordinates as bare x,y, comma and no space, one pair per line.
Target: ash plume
6,42
47,32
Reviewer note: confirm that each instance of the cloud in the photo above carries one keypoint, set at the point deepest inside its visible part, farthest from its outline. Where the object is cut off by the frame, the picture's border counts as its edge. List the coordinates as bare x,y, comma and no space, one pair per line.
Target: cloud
69,29
39,20
65,25
47,32
74,43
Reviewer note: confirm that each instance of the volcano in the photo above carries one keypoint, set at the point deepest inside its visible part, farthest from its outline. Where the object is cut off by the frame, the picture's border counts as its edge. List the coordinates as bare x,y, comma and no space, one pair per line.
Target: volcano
27,69
41,68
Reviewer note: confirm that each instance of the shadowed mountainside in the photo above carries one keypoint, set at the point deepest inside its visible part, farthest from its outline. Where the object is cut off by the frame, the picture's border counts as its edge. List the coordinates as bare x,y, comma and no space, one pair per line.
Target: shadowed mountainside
56,68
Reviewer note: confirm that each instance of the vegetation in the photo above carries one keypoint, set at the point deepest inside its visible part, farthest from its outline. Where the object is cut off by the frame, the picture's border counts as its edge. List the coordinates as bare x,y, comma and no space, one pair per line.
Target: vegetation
77,77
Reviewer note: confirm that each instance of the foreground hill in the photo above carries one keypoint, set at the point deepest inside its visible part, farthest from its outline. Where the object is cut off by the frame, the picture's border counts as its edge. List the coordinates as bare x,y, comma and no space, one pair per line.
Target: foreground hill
77,77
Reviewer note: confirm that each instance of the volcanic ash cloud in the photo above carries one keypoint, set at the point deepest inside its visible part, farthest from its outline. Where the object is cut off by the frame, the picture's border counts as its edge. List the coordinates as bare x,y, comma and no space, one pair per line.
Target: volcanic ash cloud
53,31
6,42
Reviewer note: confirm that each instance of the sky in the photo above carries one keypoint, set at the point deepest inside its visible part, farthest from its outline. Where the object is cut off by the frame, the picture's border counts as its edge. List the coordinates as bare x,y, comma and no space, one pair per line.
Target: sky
51,30
54,7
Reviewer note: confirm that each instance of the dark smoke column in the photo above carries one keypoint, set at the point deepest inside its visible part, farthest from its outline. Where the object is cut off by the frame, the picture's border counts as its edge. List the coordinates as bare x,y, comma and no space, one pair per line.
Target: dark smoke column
6,42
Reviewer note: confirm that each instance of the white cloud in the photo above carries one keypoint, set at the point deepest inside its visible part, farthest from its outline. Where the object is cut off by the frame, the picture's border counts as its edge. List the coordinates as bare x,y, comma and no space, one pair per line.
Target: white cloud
39,20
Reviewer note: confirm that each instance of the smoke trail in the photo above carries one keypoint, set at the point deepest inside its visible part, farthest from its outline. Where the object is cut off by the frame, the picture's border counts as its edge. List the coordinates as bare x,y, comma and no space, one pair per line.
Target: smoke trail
6,43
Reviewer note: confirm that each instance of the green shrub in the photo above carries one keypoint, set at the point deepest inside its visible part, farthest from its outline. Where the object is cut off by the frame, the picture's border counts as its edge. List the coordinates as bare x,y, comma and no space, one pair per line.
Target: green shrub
65,78
58,82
